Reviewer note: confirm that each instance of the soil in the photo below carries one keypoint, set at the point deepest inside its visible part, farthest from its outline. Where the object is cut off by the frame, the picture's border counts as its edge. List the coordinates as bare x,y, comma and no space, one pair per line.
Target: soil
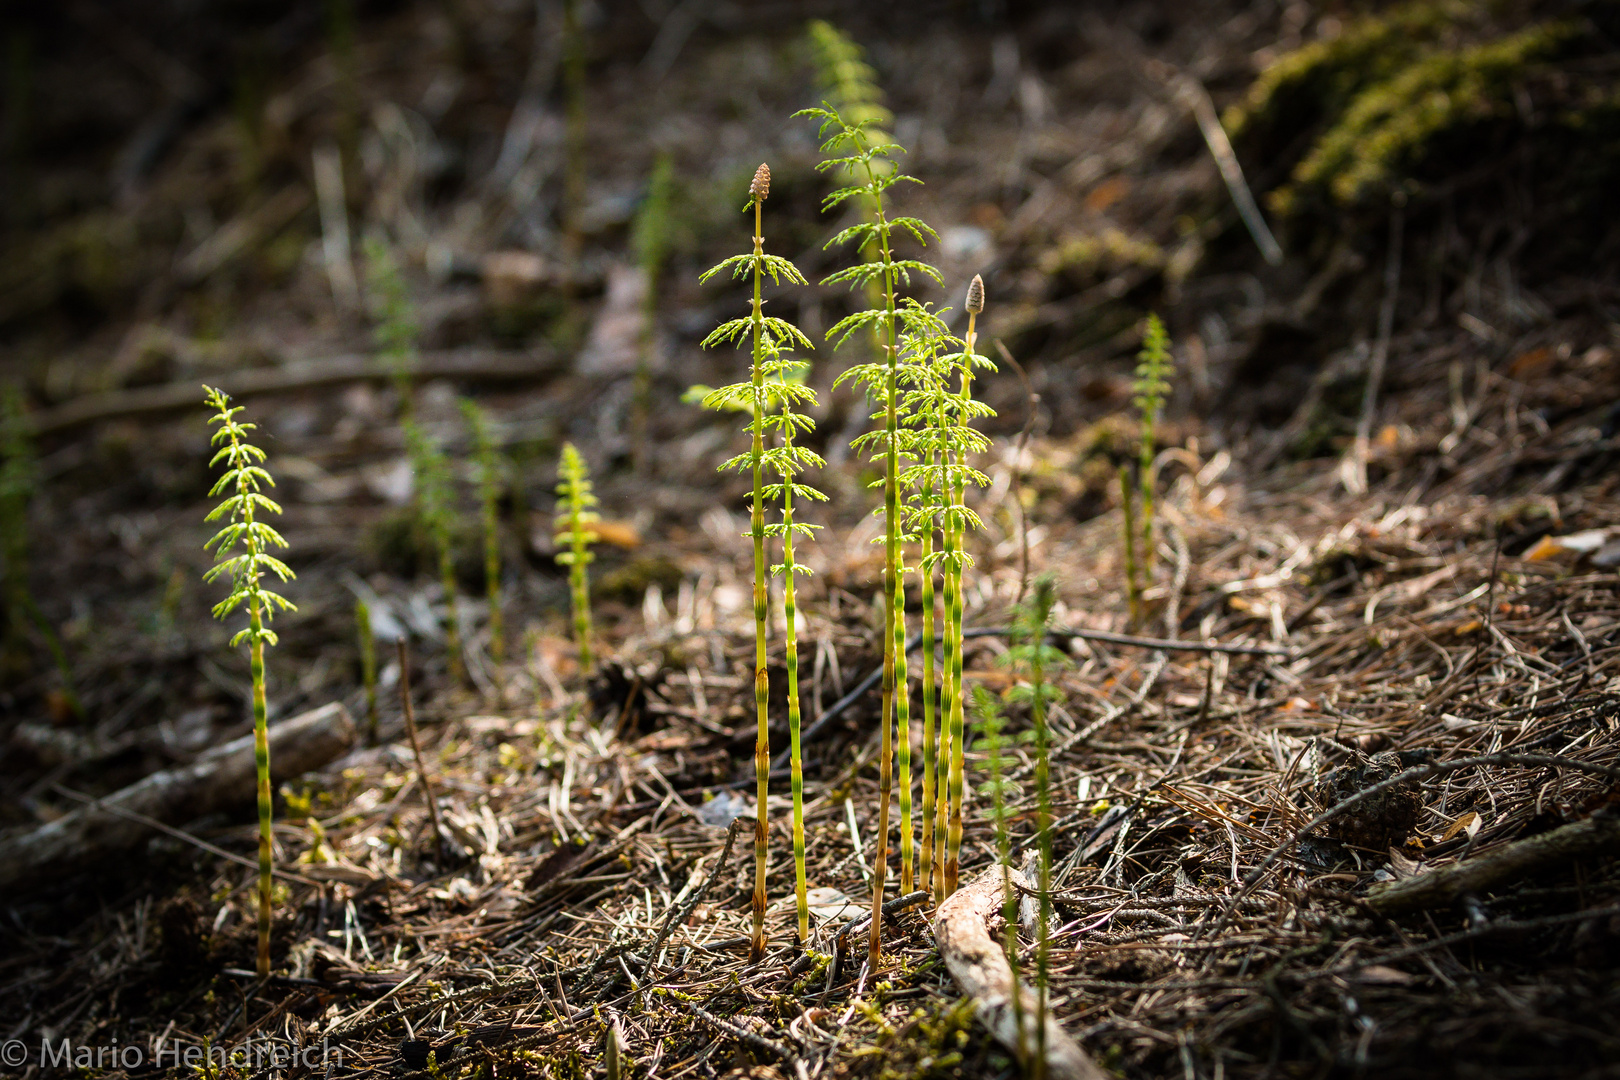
1399,597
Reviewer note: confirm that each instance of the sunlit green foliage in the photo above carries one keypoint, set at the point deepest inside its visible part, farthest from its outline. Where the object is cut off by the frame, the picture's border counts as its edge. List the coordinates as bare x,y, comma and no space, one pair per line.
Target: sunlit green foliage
770,397
576,513
854,150
241,551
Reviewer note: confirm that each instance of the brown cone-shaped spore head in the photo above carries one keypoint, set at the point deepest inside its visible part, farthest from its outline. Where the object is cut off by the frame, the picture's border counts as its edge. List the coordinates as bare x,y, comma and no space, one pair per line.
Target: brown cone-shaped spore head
975,296
760,189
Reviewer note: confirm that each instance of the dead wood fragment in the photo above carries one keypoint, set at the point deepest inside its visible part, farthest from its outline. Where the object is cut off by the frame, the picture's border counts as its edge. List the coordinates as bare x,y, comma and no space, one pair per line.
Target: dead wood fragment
976,962
220,778
1598,834
484,365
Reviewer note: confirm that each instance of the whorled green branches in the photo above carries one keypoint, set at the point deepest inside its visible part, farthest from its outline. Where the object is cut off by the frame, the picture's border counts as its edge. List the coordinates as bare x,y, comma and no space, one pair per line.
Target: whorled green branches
769,338
869,164
788,460
576,514
945,439
1036,659
242,550
435,497
1152,383
490,478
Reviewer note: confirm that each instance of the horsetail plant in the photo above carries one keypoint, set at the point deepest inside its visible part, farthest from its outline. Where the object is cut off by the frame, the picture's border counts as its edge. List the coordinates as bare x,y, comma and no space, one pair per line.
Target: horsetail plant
1153,371
579,514
1031,653
489,497
787,461
435,500
1003,793
959,440
769,338
242,550
871,164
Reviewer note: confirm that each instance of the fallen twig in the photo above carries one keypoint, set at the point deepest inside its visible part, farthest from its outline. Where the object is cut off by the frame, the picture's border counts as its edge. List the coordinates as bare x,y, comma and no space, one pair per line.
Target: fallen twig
1598,834
218,779
980,968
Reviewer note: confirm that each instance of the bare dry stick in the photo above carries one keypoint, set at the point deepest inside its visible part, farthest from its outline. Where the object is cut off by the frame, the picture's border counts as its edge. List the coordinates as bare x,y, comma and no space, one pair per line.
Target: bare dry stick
1220,147
416,747
977,963
1597,835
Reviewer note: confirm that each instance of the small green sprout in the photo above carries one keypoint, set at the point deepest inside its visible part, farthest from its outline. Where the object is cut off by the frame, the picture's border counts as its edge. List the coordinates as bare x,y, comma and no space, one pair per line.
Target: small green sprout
242,550
1153,371
1003,793
578,514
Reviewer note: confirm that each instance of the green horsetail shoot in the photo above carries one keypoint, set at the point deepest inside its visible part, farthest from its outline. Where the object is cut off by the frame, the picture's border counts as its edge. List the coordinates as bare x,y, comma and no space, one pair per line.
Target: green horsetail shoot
242,550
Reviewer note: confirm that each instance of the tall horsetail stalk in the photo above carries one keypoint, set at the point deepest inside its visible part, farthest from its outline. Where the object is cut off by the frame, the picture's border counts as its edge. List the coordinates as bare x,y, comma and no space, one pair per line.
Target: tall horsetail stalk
939,417
578,514
489,497
956,561
1153,371
874,163
241,549
1032,652
435,496
788,460
769,338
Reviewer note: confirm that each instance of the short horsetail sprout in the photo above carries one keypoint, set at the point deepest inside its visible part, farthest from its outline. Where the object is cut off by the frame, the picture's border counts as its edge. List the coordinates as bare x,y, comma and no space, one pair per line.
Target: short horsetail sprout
1004,794
489,497
1031,653
435,499
577,513
870,165
368,666
769,338
242,549
1152,383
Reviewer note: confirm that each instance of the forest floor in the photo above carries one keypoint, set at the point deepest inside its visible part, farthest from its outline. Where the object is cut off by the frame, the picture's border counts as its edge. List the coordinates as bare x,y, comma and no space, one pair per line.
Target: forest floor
1206,927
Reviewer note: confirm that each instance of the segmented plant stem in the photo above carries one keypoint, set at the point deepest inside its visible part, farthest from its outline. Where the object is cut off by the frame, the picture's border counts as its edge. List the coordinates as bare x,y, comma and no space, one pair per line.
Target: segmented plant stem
762,741
894,626
790,613
368,666
261,765
1133,577
926,880
1043,802
953,837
